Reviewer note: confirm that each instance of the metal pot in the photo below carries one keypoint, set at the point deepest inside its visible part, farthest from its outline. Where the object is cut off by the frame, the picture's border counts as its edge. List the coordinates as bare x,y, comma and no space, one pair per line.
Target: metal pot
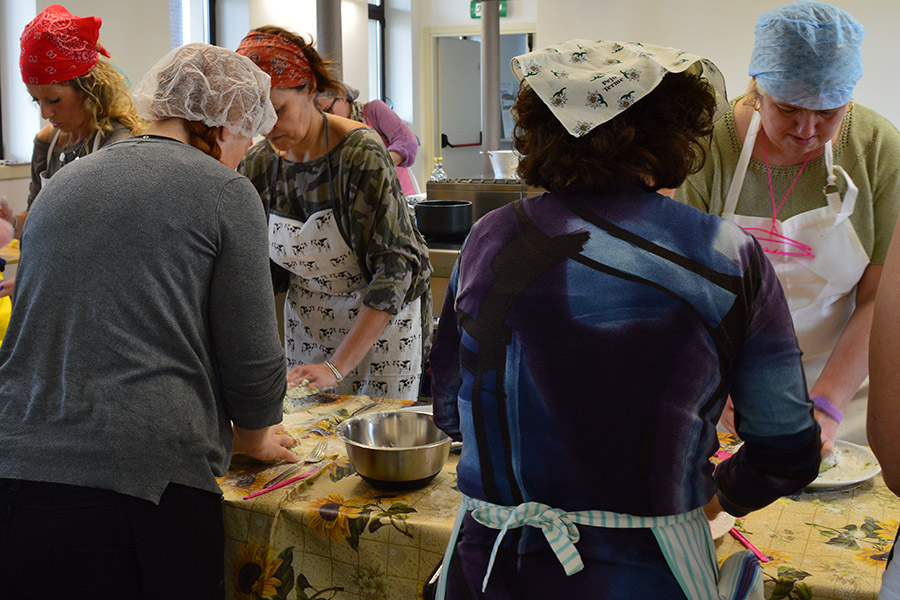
444,218
395,450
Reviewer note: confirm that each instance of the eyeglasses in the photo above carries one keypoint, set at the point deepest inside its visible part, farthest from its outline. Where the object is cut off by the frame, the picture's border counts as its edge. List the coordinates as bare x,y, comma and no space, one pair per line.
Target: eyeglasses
330,108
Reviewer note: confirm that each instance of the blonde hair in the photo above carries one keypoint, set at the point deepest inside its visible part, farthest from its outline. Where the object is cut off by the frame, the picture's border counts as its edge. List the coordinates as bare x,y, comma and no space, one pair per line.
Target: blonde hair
105,99
754,93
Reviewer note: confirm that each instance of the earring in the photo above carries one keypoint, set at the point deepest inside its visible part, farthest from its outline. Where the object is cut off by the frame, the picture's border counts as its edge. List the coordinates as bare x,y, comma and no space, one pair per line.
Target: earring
758,104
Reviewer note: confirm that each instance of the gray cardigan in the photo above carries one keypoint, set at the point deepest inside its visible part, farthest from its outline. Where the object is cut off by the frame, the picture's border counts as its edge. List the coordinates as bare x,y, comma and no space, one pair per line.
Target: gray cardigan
143,324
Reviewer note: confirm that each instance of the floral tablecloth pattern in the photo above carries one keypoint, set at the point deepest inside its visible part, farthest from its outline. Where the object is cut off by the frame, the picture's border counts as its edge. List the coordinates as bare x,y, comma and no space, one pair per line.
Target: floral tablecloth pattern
822,544
333,536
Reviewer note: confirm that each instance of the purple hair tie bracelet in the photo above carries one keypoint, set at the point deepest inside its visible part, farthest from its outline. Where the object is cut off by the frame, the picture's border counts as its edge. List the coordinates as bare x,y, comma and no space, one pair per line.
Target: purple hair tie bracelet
824,404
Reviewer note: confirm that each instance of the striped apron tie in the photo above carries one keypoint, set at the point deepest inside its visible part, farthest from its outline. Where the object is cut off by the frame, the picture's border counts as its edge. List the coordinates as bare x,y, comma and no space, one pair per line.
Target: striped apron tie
685,541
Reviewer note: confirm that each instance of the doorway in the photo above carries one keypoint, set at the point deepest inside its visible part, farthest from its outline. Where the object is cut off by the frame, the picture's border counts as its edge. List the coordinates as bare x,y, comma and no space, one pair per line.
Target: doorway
456,116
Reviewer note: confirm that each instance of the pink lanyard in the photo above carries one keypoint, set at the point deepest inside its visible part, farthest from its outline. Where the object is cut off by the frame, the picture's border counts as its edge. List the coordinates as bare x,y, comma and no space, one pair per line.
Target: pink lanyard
771,234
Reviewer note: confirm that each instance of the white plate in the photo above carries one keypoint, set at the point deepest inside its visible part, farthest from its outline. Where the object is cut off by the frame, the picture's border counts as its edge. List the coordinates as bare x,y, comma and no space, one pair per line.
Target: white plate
721,525
855,465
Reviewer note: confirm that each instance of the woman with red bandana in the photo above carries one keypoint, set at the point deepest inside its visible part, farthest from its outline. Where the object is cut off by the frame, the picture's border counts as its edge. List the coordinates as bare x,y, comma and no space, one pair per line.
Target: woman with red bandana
84,97
341,243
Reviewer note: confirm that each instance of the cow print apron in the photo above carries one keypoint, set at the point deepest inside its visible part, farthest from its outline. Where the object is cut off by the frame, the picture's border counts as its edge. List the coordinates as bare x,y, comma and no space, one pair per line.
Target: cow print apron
324,298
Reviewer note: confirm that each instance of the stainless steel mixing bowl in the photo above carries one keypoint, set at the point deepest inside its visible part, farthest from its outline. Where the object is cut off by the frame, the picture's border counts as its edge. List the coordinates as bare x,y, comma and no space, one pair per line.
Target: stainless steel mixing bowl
395,450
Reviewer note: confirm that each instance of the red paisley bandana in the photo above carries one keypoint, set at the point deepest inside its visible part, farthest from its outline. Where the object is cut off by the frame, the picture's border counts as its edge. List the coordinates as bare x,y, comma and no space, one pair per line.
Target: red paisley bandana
57,46
284,62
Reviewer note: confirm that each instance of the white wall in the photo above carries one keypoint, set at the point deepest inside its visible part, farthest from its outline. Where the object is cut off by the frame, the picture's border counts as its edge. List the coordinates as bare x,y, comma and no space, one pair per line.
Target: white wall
722,30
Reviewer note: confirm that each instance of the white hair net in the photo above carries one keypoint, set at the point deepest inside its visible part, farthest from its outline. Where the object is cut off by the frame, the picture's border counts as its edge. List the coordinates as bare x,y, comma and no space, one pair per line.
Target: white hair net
218,87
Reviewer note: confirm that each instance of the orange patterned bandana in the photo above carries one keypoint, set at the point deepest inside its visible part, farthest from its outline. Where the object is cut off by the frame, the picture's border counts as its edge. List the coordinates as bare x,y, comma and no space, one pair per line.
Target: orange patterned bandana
57,46
284,62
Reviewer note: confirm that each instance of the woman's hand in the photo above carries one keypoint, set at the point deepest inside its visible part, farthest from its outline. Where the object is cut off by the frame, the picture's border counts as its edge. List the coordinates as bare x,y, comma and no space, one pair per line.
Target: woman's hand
6,211
713,508
6,287
317,376
269,443
829,431
727,418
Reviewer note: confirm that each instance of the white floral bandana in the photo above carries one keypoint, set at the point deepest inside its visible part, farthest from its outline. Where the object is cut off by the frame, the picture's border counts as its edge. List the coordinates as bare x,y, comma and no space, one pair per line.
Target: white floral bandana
586,83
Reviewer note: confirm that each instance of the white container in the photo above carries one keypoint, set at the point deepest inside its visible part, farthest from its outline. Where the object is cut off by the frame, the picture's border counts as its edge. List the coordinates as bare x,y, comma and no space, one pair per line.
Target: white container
504,163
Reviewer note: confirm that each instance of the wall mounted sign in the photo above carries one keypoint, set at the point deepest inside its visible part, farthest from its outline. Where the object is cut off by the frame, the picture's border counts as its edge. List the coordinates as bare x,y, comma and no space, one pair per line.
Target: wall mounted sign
475,8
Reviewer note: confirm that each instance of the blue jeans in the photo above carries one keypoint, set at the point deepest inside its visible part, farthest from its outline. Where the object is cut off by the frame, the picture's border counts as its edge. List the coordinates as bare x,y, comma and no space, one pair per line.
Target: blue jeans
64,541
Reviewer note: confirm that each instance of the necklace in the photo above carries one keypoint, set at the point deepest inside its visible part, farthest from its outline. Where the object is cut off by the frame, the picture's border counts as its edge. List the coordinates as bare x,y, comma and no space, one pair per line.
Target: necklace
75,151
793,247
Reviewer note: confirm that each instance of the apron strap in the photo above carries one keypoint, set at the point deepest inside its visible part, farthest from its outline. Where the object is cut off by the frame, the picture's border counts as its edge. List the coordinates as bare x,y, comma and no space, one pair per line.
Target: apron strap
52,146
741,170
98,137
684,539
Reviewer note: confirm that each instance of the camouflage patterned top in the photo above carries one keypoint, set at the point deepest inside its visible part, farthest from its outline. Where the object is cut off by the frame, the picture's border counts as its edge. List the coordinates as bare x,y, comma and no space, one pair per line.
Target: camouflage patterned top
370,210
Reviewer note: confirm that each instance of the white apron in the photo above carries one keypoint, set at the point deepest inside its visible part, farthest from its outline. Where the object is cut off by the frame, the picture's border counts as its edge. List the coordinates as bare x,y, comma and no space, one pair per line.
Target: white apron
43,175
819,289
323,300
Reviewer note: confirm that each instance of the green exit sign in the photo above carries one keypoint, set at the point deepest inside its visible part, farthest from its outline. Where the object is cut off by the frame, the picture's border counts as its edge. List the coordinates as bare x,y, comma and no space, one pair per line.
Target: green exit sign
475,8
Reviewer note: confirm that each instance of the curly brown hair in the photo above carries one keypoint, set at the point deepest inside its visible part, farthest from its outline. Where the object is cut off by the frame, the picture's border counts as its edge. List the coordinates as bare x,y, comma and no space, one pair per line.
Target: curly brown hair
321,68
655,144
105,98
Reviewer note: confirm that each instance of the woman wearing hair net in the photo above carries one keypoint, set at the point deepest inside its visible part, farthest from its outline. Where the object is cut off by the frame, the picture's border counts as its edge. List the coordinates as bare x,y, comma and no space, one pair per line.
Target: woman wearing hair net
814,177
136,361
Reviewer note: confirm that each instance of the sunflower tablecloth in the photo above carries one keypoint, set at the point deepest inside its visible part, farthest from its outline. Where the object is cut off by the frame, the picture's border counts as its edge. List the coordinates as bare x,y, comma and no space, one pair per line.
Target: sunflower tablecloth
333,536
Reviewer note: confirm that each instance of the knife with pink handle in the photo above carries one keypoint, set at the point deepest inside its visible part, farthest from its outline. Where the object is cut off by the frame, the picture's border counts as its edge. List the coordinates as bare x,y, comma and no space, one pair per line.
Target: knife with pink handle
739,537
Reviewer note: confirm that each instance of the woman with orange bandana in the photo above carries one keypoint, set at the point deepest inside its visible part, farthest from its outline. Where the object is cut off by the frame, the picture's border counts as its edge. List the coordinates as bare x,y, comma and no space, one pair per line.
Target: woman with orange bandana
341,242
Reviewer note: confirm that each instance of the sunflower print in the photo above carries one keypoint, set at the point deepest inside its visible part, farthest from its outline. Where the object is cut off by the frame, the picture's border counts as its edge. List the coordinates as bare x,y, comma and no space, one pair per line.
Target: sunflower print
876,557
888,529
331,516
776,558
252,572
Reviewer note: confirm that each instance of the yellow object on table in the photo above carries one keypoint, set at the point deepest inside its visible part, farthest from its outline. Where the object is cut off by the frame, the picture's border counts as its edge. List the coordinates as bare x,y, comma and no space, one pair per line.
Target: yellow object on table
336,536
10,252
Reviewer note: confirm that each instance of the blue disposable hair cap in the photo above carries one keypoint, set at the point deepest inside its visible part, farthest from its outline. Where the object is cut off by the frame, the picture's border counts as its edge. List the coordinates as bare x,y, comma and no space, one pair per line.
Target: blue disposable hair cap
808,54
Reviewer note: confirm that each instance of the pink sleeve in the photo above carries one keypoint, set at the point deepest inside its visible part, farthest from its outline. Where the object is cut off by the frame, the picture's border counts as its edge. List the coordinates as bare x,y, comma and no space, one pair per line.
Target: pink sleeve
399,137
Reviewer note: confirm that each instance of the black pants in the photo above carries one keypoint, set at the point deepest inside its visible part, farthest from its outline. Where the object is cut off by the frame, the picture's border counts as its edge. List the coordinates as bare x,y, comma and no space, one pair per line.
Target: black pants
63,541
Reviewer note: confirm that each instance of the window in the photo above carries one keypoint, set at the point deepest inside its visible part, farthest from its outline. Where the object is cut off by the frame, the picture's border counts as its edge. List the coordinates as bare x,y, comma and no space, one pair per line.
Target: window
377,69
191,21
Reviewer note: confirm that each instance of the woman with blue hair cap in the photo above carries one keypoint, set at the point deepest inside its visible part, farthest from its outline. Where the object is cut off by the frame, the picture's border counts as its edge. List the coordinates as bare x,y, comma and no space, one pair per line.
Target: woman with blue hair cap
813,176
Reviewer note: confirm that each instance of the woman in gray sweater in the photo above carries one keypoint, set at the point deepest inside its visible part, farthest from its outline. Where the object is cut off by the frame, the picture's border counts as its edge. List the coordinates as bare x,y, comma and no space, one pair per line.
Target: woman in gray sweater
142,349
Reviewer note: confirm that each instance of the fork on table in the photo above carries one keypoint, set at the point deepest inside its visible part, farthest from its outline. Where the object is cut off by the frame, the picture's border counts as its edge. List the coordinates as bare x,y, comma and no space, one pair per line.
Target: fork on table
317,454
